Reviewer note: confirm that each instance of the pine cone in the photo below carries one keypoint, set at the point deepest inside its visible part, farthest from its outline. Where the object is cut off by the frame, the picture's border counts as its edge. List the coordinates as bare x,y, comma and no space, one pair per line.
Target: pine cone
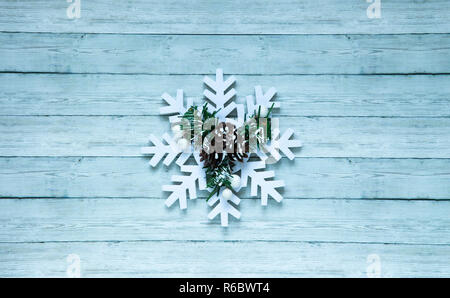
212,160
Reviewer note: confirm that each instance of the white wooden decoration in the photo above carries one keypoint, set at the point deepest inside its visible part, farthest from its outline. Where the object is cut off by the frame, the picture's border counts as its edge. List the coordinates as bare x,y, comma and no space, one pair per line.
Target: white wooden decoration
219,93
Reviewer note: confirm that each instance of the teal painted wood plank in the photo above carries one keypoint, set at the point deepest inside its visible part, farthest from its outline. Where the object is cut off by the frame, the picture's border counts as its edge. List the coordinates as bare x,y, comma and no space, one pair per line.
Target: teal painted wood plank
358,221
237,54
108,195
371,95
322,136
211,17
340,178
230,259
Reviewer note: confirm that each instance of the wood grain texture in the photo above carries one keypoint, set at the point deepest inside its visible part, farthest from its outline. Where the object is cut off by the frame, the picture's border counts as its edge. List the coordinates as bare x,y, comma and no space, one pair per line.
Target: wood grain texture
237,54
368,97
322,136
222,259
227,17
341,95
356,221
340,178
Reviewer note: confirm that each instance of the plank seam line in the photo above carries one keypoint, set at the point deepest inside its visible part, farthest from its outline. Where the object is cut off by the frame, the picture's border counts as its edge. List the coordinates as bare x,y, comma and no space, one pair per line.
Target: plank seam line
279,115
205,74
146,157
227,241
221,34
236,74
38,198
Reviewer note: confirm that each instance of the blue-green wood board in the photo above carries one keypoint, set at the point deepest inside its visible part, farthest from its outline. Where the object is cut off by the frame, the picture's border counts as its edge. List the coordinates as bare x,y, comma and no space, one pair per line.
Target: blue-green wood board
369,98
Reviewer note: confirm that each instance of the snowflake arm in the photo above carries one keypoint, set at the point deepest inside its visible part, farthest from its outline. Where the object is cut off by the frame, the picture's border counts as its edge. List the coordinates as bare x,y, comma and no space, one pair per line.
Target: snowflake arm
283,144
159,150
183,158
175,105
221,96
224,208
268,187
220,87
223,113
266,98
188,183
263,99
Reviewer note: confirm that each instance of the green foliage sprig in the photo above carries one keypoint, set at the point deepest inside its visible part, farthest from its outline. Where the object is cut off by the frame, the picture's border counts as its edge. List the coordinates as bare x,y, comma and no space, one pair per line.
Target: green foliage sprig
220,175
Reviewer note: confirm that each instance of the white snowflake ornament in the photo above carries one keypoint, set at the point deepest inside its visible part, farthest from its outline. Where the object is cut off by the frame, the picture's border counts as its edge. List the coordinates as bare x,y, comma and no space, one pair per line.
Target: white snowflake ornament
216,171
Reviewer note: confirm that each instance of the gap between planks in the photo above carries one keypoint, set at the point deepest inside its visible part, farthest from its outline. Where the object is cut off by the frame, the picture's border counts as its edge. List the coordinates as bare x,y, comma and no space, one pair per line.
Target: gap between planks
242,198
220,34
239,74
227,241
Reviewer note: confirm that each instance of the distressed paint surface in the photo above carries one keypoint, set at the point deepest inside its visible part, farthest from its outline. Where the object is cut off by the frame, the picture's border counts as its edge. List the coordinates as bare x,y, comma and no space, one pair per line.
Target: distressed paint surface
352,178
369,98
227,17
236,54
300,95
326,136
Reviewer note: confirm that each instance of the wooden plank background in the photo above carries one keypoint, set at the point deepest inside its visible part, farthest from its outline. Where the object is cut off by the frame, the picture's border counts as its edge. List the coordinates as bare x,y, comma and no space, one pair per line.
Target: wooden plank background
227,17
369,98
